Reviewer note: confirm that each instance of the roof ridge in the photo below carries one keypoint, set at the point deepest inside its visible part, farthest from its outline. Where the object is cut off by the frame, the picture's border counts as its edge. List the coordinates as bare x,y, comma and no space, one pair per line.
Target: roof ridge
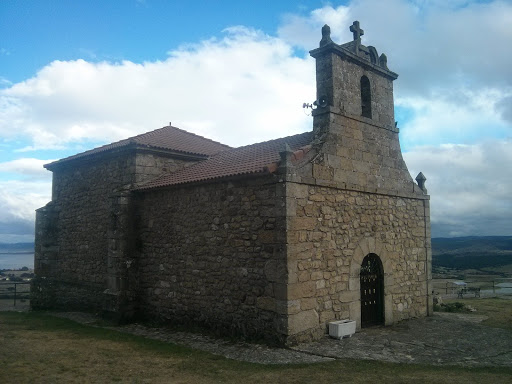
268,141
196,135
134,138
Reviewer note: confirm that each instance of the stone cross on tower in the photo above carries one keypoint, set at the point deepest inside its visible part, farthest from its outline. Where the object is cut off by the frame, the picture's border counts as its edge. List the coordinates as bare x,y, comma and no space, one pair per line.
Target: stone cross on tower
356,30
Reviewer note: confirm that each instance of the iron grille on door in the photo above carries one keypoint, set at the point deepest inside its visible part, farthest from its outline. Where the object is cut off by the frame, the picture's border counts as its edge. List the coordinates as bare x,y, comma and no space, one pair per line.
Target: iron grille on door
372,291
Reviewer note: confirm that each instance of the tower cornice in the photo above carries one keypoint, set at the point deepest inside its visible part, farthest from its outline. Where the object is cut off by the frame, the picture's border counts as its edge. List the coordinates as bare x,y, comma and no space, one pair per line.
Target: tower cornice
347,54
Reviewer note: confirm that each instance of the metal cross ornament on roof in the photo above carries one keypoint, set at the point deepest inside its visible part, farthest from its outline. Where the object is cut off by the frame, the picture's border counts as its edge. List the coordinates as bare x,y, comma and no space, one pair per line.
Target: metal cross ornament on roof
356,30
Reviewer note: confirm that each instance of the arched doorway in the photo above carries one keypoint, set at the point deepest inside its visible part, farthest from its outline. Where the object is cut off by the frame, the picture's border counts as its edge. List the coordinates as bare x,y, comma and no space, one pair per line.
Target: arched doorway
372,291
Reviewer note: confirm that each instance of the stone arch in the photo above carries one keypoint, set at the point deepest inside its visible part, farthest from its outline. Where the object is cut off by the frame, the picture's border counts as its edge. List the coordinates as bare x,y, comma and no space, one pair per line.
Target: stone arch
371,295
365,247
374,56
366,97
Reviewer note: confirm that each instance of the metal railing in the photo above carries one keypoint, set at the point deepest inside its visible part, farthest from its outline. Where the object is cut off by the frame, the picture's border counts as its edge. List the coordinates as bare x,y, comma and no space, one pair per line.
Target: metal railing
497,286
15,294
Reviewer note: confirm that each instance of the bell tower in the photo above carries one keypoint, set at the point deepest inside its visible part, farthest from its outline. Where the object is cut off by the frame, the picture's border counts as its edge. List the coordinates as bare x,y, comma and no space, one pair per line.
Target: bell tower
354,119
358,226
354,79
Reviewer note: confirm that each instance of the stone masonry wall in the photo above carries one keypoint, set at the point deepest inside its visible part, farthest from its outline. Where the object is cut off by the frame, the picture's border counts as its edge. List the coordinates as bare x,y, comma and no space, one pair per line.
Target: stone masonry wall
349,196
338,79
361,155
215,255
81,200
150,165
347,77
81,228
326,230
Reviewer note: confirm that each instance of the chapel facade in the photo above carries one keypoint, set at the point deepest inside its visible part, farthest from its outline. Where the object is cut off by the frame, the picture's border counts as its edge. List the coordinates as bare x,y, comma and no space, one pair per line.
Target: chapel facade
272,240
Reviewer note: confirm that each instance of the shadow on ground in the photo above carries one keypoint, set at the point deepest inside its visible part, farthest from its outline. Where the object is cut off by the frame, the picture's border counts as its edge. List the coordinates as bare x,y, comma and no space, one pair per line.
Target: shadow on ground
442,339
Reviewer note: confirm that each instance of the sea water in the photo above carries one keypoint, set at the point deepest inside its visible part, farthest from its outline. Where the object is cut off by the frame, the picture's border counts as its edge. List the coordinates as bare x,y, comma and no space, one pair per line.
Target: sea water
16,260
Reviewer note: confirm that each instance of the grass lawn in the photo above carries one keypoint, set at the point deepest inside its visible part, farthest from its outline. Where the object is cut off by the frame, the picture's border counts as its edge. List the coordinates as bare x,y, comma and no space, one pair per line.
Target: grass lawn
38,348
498,310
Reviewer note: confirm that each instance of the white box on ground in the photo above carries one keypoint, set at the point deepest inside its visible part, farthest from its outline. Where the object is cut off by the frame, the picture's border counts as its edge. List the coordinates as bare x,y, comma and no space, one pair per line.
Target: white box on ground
340,329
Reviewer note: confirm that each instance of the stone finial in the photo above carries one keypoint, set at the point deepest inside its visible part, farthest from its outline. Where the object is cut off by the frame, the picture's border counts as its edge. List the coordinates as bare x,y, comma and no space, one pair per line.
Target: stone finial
286,156
326,35
420,179
356,30
383,61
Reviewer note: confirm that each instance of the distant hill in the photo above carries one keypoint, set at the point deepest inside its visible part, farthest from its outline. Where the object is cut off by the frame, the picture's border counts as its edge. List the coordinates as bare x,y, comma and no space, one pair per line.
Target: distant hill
473,252
16,247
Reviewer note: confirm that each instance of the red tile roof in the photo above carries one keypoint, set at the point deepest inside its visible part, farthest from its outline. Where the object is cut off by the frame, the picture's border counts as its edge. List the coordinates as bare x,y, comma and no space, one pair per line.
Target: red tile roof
166,138
251,159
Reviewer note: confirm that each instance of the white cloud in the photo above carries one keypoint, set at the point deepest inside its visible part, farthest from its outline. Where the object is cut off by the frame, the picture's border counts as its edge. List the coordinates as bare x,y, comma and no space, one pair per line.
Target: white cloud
304,31
469,186
28,167
18,202
440,47
19,199
455,76
251,79
458,117
504,107
243,88
441,44
4,82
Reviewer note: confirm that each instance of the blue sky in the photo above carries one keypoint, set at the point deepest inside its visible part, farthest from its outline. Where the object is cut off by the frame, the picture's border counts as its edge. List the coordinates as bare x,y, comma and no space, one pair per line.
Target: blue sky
42,31
77,74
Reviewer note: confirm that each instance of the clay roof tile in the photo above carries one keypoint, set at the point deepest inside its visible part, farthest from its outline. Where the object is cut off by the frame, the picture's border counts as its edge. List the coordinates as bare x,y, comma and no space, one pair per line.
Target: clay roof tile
166,138
250,159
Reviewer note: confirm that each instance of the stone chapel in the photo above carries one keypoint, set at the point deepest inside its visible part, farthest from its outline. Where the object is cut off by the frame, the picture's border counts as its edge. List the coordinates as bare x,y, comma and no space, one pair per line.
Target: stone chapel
271,241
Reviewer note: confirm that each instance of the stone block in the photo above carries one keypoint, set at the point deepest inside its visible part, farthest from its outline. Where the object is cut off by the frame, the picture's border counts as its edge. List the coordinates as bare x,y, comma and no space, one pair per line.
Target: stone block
355,312
317,275
326,316
291,207
308,303
266,237
279,291
312,210
354,284
301,290
322,172
301,223
333,161
316,197
288,306
349,296
302,321
266,303
302,276
275,271
298,191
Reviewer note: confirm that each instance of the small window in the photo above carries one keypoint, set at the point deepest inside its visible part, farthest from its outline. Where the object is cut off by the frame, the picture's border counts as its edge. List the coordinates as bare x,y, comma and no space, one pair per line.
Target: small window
366,98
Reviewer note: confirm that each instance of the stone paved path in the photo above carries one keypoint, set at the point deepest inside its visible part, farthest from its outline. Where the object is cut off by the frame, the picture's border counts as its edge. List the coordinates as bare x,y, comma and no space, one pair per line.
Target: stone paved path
443,339
253,353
